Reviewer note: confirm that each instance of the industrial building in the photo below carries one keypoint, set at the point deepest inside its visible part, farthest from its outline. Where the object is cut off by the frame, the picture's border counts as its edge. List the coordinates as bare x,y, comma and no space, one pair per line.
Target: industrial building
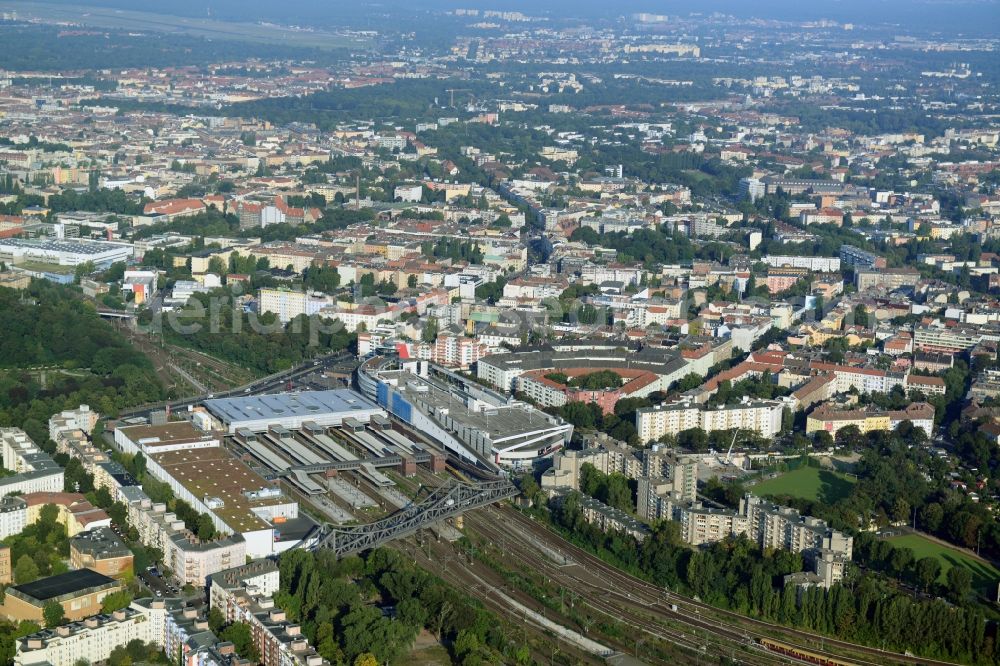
479,425
291,410
102,254
162,438
242,461
312,457
205,475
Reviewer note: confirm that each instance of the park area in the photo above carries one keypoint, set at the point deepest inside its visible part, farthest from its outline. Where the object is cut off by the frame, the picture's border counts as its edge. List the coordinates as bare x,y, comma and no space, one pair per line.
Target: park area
984,575
809,483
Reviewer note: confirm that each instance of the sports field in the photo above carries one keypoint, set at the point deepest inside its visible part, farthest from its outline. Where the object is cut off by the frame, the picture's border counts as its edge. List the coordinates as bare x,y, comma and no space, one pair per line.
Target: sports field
984,576
809,483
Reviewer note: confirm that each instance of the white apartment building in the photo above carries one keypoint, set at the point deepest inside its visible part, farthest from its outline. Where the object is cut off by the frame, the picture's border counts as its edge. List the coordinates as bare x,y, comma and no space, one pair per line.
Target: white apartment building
190,560
34,470
288,304
543,392
408,193
662,313
13,516
814,264
82,419
367,316
774,526
760,416
770,526
455,351
93,639
763,417
500,375
193,561
655,422
533,288
948,339
701,525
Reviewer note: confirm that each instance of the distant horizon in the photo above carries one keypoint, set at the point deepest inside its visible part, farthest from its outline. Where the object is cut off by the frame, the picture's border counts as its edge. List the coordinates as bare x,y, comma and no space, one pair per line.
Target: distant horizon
973,16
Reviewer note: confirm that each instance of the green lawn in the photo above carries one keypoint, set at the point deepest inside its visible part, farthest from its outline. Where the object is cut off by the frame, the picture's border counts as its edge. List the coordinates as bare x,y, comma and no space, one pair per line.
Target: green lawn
809,483
984,576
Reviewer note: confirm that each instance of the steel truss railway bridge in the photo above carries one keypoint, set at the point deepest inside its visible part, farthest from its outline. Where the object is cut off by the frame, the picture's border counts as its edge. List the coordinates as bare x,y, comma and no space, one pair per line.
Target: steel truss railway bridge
445,502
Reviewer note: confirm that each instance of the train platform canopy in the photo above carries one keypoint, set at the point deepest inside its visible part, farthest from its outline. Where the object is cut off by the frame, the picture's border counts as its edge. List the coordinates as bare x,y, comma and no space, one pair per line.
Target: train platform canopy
292,410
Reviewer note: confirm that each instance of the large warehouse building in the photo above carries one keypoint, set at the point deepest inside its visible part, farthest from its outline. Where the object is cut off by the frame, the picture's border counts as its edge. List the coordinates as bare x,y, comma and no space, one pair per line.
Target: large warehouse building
291,410
64,252
207,476
474,422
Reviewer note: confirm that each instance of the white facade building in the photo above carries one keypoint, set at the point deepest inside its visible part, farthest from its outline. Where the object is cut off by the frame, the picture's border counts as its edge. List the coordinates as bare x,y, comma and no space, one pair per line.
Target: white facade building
761,416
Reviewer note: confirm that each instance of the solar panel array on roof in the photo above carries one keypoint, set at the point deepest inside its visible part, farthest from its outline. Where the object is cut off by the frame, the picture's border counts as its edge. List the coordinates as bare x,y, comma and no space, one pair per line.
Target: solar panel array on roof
78,580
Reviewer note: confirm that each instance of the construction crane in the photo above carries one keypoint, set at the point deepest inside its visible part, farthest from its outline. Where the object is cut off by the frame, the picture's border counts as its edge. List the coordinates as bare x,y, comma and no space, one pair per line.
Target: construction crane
729,453
451,92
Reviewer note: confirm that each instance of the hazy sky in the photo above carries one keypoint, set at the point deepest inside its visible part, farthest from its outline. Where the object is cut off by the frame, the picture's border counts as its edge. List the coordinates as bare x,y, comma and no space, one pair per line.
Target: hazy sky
944,15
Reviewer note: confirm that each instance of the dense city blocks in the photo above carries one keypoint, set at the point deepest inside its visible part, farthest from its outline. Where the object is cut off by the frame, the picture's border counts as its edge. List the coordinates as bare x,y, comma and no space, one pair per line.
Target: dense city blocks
384,333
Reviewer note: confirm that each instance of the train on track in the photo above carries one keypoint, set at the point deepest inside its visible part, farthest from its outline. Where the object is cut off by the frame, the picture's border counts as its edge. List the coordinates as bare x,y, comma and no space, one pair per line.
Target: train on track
802,655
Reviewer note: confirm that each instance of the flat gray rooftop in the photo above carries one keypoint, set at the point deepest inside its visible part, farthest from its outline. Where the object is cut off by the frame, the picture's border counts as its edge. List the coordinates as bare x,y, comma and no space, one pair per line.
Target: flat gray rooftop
496,422
278,406
74,246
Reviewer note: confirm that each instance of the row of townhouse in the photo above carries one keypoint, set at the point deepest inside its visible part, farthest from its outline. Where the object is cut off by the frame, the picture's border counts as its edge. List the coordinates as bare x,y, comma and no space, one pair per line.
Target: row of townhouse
244,594
831,420
178,629
863,380
190,559
92,639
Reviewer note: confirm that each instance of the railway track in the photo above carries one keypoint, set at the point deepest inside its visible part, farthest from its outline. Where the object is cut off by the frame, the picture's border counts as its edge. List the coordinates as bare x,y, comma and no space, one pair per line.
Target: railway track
624,591
490,589
607,598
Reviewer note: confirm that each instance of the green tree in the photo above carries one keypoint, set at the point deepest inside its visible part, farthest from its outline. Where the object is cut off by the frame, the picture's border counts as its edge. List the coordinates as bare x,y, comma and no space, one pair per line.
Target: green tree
205,528
927,570
116,601
430,332
239,634
216,620
25,570
931,516
901,560
216,266
53,614
119,657
83,270
959,582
